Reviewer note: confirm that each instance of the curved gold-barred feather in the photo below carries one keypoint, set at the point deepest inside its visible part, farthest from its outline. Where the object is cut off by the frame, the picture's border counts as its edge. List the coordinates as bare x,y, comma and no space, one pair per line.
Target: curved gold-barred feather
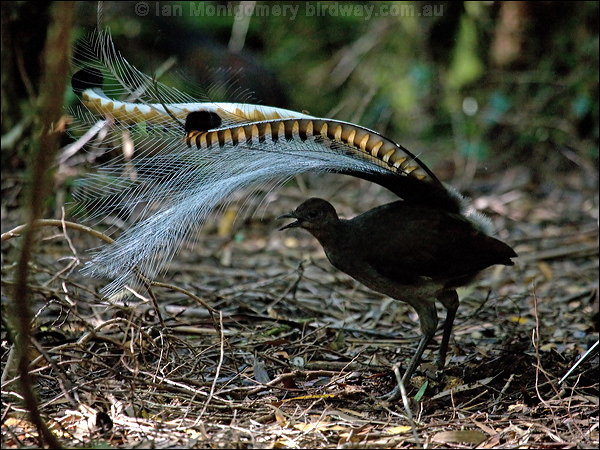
360,141
131,112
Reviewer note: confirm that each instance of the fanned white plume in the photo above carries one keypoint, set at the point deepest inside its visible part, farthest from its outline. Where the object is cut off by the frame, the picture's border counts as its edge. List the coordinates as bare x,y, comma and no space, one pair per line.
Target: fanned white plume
225,147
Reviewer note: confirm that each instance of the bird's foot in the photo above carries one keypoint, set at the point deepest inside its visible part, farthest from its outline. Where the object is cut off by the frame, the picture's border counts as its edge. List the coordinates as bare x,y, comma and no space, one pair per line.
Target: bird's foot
392,396
399,390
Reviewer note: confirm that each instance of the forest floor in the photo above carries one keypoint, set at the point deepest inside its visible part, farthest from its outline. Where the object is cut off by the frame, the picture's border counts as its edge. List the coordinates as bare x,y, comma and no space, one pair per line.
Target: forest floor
296,354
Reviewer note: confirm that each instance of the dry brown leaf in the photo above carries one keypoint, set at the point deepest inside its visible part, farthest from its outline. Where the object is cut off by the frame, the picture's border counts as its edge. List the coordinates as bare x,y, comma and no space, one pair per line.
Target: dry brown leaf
318,426
546,270
474,437
398,429
226,222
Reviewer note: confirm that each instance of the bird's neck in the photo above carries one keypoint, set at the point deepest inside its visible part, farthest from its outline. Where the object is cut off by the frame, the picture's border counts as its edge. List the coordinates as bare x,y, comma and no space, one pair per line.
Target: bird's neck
330,234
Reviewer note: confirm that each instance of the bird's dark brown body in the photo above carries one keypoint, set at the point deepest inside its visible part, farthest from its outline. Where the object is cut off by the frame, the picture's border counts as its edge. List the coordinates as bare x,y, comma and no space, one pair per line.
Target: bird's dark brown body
410,252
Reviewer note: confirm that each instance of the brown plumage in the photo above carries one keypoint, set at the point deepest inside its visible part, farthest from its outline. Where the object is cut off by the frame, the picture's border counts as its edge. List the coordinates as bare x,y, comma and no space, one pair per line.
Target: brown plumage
410,252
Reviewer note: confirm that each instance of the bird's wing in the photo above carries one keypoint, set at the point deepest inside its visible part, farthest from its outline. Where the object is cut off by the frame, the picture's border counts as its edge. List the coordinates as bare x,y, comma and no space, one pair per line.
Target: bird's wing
431,243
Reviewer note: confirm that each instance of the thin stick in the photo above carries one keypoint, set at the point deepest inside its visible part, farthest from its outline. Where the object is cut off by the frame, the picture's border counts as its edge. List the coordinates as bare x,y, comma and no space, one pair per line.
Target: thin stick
219,365
406,404
17,231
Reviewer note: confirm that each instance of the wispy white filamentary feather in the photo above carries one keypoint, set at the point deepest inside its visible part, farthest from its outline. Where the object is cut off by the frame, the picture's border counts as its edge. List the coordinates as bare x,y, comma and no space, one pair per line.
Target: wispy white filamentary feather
224,148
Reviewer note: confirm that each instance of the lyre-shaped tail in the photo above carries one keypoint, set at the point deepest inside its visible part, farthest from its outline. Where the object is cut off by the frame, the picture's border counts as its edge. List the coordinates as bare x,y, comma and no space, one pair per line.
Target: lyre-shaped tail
192,156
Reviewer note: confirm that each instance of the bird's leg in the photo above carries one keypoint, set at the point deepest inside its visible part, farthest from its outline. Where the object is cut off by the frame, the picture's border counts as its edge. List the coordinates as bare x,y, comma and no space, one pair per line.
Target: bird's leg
450,301
416,359
428,319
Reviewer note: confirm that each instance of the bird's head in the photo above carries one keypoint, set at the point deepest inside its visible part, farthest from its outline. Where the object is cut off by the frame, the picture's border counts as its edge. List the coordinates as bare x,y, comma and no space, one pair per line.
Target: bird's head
314,215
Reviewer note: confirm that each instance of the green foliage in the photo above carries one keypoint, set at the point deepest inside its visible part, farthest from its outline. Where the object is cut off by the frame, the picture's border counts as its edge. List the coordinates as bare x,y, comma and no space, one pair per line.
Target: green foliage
466,66
421,392
423,74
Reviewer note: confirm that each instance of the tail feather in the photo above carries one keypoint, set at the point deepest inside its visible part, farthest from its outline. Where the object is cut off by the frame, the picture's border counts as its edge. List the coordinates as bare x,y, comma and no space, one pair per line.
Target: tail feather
192,156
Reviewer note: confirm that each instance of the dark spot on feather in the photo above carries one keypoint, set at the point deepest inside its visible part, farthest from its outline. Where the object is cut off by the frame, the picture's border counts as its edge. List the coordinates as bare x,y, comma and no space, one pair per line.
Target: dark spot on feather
202,121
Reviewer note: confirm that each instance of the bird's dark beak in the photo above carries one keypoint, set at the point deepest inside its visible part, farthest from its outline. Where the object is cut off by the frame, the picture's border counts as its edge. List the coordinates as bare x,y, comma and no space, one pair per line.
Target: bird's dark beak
290,215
